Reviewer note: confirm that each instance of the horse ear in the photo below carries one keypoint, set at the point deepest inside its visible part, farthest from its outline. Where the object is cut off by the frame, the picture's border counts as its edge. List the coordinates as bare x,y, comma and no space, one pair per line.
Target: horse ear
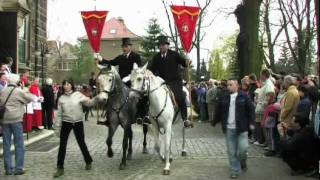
144,68
114,70
135,66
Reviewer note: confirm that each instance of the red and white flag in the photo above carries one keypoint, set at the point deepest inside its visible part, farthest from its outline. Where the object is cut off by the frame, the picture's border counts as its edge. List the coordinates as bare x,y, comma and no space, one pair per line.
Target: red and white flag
93,22
185,18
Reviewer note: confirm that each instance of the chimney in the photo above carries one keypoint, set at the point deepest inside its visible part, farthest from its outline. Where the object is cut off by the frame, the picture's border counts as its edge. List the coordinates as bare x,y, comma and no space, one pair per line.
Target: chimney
120,19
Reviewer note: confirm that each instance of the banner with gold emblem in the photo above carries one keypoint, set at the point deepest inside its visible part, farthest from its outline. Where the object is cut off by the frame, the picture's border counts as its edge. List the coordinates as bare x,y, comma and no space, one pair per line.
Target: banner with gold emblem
93,22
186,18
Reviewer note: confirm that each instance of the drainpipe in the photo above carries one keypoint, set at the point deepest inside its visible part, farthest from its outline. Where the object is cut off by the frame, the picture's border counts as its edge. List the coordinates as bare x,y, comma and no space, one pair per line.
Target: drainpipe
36,39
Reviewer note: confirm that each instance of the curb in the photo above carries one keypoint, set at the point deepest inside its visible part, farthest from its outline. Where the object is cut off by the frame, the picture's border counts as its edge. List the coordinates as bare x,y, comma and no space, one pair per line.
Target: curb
43,135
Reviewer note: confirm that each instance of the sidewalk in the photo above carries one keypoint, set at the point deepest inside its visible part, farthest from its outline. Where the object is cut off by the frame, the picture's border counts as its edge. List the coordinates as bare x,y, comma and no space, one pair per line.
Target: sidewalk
32,138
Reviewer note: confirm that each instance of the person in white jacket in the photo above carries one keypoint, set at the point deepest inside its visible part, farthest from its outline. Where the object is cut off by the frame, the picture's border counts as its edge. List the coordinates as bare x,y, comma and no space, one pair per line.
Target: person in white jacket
70,117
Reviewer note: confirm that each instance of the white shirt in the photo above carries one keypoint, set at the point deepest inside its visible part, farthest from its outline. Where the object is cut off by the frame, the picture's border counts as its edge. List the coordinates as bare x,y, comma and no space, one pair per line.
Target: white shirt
232,111
164,55
127,55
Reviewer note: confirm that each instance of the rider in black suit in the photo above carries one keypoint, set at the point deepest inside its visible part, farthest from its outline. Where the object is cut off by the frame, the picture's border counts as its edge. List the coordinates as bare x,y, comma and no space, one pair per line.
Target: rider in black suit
166,65
125,61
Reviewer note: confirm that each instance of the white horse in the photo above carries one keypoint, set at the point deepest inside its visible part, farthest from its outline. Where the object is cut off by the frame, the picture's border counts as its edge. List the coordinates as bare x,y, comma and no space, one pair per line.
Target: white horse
161,108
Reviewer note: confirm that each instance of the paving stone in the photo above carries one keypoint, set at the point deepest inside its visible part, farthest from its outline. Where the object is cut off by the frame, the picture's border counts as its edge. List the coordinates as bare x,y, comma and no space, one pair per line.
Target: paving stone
206,160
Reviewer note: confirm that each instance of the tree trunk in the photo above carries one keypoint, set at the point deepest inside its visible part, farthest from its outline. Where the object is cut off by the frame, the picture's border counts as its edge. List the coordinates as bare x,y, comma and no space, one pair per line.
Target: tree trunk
318,32
247,14
268,31
198,36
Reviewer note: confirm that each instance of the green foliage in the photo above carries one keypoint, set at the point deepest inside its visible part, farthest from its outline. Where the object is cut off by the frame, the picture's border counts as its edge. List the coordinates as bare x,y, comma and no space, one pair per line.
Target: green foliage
286,62
223,63
203,71
149,43
217,69
85,63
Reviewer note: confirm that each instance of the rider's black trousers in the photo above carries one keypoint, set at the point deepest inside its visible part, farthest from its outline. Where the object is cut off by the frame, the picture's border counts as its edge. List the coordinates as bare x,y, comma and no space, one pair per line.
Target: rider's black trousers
176,88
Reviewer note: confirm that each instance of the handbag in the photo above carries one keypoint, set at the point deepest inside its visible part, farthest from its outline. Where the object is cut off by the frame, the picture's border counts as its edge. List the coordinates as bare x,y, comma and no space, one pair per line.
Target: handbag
3,107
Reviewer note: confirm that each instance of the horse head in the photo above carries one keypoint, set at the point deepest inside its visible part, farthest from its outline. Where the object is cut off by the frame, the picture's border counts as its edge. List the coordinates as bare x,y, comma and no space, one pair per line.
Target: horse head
139,82
108,81
143,80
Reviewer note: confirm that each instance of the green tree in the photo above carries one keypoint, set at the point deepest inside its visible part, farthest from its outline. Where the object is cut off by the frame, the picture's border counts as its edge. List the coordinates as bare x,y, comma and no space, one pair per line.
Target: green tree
285,62
299,16
228,52
217,70
149,43
84,65
203,71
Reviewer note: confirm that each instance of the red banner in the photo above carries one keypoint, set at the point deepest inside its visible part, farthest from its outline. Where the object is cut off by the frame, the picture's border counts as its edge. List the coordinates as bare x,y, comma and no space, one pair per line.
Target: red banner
186,18
93,22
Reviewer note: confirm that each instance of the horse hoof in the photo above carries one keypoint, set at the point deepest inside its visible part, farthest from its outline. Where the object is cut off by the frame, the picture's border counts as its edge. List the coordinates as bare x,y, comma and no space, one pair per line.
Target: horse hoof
110,154
166,172
129,156
145,151
184,153
122,166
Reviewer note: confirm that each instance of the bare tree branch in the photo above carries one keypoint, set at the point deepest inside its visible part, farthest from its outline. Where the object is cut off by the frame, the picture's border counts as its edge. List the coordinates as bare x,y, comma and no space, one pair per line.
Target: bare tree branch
173,37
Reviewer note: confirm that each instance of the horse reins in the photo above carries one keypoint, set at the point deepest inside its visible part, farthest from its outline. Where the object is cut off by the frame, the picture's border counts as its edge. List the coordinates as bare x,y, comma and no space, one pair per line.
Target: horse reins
111,93
164,106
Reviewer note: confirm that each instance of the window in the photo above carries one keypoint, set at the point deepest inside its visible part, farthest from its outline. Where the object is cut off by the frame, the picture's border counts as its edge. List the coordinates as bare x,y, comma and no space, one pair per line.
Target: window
22,42
65,66
113,31
59,66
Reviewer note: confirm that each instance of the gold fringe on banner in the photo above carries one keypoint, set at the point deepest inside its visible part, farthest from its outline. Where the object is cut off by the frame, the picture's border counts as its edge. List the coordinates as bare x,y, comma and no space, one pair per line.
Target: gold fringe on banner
185,11
93,15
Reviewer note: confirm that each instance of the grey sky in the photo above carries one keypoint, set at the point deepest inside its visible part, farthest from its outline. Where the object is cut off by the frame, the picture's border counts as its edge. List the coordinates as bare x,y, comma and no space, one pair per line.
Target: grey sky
65,23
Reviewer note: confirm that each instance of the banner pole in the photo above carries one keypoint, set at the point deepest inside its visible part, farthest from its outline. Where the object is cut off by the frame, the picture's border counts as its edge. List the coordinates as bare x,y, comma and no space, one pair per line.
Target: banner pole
184,151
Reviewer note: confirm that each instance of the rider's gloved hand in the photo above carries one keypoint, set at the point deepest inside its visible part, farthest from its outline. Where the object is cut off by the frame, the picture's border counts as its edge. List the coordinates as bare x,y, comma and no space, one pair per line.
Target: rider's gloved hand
97,56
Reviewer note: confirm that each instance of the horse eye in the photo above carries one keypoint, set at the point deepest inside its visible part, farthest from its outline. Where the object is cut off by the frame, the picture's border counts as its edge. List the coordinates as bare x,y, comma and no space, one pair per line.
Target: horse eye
139,79
109,80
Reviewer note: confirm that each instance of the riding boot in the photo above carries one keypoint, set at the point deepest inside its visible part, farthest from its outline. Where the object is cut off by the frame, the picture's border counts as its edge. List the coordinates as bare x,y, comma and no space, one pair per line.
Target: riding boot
187,123
146,120
59,173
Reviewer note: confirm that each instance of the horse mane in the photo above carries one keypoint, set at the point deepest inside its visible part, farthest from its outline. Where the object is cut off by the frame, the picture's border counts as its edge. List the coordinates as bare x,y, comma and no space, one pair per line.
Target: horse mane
154,80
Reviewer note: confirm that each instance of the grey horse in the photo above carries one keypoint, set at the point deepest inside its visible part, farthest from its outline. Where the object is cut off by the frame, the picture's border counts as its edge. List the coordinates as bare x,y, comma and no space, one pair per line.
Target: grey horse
120,110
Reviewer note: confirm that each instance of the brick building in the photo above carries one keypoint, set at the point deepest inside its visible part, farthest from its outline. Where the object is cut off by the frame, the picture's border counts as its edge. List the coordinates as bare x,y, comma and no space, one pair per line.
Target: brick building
23,34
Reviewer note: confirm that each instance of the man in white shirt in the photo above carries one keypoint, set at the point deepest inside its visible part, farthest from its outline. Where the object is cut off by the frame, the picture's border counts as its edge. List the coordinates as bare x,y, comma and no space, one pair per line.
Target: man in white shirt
237,115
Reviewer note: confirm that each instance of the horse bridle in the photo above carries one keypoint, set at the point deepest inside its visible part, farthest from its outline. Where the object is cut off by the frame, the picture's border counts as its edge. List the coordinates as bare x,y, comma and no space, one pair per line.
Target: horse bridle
147,93
112,86
111,92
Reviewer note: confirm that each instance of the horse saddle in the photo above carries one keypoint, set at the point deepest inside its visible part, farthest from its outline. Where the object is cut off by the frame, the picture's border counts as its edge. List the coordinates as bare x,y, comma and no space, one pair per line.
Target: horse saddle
172,97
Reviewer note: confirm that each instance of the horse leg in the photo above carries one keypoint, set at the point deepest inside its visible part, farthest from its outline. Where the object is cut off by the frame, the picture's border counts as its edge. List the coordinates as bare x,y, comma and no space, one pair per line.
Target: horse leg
124,149
166,170
156,139
145,131
112,130
184,152
129,156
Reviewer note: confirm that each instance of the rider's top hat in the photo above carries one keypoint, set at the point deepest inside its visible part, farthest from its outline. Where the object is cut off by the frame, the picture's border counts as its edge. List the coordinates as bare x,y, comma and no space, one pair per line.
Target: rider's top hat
126,42
163,40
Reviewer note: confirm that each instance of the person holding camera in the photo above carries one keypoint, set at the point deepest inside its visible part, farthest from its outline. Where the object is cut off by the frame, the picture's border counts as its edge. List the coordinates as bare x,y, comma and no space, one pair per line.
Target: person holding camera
14,100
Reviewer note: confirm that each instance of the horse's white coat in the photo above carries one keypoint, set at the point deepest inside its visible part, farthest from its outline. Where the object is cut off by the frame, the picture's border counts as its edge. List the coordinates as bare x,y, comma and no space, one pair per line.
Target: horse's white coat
143,80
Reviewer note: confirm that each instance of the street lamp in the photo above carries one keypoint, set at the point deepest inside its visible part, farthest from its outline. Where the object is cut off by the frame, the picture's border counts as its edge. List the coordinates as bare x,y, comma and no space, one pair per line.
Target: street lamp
43,53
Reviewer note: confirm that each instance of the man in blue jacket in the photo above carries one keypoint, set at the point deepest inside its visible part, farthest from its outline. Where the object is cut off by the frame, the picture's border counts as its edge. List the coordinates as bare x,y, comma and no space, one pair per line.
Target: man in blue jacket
237,115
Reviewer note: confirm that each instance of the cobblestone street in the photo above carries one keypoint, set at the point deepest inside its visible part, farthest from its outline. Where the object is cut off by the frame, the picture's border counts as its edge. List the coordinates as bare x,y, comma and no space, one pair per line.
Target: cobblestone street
207,158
